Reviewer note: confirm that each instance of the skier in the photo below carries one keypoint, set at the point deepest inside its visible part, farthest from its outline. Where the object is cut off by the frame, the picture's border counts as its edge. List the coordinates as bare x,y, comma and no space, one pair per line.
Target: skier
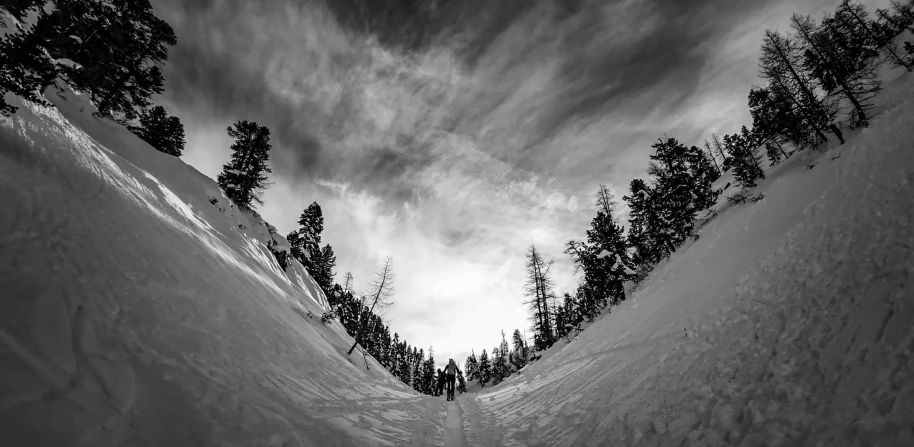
451,370
440,382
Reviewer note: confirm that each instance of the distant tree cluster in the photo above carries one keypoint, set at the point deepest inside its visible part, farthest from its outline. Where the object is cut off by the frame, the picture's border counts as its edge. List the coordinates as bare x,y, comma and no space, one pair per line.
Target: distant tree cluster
504,360
361,316
111,50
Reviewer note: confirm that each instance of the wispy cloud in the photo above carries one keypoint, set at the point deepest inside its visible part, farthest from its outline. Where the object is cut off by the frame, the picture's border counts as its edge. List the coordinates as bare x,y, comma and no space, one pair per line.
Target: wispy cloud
454,134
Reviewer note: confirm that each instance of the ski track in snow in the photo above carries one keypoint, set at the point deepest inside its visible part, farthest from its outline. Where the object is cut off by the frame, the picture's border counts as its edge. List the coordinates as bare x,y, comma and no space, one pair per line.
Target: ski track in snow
454,435
137,312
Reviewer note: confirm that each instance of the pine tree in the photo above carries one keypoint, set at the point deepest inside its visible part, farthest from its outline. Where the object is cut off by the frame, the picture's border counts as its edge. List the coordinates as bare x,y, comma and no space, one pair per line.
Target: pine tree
746,165
471,367
404,364
538,288
348,282
461,383
503,355
775,122
324,271
306,240
428,374
780,65
394,357
244,178
163,132
25,69
840,61
603,256
384,345
560,329
572,314
519,354
418,374
682,177
644,248
110,49
484,369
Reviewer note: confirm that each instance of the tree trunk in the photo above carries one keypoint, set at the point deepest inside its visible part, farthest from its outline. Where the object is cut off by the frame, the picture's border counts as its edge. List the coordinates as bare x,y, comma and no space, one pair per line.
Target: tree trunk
837,132
776,142
711,153
377,296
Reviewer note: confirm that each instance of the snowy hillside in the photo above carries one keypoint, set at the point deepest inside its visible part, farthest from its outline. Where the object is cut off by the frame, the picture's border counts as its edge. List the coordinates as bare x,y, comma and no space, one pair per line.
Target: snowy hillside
789,322
139,307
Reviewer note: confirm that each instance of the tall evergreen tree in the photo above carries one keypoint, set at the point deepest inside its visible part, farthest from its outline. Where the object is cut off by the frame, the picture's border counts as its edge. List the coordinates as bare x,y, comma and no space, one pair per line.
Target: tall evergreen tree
461,383
324,268
484,369
404,364
746,165
500,366
775,122
395,356
682,178
471,367
572,314
428,374
646,244
306,241
163,132
561,325
603,256
244,178
418,374
348,282
519,357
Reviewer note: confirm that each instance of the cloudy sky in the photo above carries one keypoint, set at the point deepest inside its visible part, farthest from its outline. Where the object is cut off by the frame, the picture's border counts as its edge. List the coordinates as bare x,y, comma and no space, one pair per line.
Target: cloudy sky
452,134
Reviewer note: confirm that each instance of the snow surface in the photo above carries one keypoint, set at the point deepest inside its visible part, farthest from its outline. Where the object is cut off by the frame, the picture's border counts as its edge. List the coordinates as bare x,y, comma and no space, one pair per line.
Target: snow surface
789,323
141,307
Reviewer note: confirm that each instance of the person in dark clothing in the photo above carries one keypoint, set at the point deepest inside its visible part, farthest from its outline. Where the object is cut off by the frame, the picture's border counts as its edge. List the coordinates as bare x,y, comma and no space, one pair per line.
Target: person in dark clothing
440,383
451,371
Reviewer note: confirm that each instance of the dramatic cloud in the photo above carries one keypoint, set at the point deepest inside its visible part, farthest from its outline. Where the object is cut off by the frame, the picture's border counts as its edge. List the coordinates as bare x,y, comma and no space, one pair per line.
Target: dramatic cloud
451,134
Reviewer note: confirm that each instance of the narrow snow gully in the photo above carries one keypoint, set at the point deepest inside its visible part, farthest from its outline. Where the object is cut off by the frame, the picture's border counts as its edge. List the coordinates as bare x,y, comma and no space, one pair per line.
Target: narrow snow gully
453,426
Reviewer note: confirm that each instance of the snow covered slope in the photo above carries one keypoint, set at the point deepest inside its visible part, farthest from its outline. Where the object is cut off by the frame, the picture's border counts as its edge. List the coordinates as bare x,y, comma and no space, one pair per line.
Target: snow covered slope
139,307
789,322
